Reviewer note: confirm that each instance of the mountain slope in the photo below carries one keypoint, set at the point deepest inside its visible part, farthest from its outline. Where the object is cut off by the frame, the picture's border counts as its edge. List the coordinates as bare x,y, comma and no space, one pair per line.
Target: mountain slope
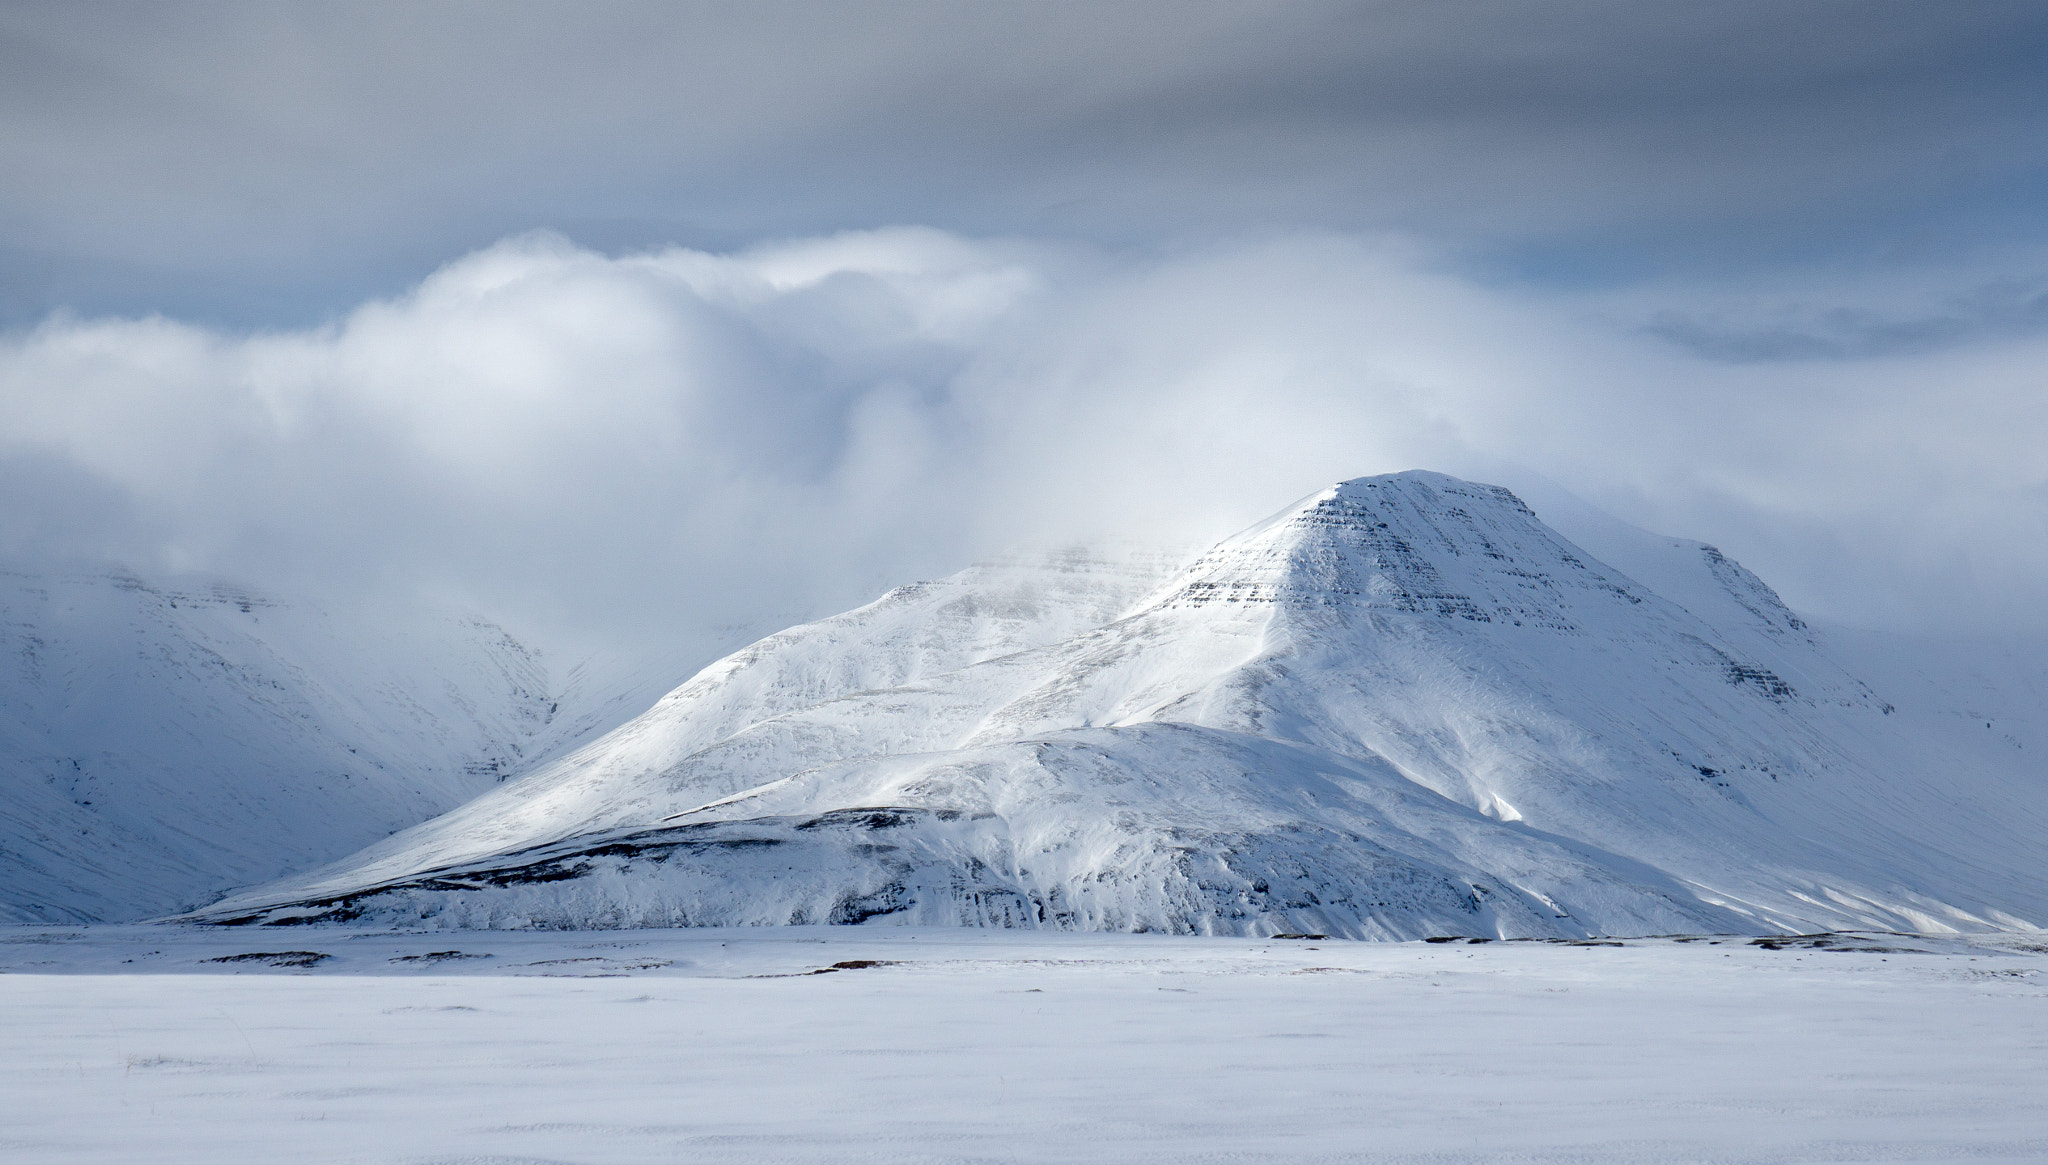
1401,707
161,742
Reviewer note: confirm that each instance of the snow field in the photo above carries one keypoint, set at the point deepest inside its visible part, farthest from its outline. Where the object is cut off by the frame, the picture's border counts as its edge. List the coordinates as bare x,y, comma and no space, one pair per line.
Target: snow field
971,1046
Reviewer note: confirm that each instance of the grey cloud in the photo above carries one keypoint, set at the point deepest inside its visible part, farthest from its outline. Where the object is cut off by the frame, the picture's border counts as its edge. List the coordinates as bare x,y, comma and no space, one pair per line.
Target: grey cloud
2003,310
275,162
58,513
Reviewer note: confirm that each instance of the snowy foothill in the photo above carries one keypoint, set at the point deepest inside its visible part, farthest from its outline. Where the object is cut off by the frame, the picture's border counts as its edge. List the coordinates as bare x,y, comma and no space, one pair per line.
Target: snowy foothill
166,739
185,1044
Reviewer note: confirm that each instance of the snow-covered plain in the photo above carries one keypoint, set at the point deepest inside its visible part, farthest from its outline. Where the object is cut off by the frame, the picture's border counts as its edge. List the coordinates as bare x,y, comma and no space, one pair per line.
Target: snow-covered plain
140,1043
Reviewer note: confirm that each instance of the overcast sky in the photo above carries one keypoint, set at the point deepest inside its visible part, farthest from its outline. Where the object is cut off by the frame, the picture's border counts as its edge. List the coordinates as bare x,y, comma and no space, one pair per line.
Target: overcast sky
618,316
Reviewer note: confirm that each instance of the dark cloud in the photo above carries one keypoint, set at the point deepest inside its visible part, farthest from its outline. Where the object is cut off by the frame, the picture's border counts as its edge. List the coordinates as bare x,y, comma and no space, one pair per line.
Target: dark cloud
271,162
2006,309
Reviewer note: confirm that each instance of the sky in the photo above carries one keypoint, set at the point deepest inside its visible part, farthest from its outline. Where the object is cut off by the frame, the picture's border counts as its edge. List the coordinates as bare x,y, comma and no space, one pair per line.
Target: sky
664,322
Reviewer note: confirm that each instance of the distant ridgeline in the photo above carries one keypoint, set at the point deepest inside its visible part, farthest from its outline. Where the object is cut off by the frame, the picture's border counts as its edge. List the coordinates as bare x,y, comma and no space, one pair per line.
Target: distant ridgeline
162,743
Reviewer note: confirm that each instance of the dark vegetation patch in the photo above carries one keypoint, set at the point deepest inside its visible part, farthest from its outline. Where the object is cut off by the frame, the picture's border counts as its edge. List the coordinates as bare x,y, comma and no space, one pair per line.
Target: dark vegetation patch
842,965
434,957
577,858
1829,942
1763,680
856,965
861,819
276,958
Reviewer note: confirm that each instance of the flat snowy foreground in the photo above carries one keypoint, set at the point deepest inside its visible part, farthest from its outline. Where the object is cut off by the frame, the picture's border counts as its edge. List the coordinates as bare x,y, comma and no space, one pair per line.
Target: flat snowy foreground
173,1045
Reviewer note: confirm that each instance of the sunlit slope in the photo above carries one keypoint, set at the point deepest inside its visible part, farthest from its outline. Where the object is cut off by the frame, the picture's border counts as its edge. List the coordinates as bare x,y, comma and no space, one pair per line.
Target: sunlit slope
1401,707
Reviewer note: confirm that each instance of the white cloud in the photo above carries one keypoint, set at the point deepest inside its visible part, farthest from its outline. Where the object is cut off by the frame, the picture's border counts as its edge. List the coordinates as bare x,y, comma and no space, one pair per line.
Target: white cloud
655,444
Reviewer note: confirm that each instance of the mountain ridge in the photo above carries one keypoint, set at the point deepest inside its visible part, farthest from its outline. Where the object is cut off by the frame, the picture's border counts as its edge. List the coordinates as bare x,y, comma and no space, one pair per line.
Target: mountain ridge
165,740
1401,705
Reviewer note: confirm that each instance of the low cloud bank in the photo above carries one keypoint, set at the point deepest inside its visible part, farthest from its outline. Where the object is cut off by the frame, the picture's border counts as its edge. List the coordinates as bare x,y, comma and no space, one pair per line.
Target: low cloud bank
658,446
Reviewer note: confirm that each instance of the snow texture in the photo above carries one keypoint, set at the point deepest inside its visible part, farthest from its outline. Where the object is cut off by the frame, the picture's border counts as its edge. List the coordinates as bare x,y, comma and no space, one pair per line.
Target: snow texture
1401,708
216,1047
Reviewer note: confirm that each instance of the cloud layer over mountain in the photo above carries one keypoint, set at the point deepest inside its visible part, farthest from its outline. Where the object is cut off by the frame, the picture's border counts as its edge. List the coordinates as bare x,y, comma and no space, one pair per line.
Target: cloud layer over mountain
670,442
274,305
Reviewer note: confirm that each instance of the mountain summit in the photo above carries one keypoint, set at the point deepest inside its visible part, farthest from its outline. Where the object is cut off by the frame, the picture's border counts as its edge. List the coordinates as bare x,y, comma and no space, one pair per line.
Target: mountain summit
1402,707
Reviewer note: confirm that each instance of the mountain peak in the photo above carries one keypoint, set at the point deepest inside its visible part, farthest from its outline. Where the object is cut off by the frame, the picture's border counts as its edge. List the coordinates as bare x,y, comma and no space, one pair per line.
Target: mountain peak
1416,543
1427,481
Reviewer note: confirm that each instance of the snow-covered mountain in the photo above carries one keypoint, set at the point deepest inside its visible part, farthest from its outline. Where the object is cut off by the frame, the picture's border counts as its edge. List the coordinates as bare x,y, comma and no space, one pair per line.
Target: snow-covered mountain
164,741
1403,707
